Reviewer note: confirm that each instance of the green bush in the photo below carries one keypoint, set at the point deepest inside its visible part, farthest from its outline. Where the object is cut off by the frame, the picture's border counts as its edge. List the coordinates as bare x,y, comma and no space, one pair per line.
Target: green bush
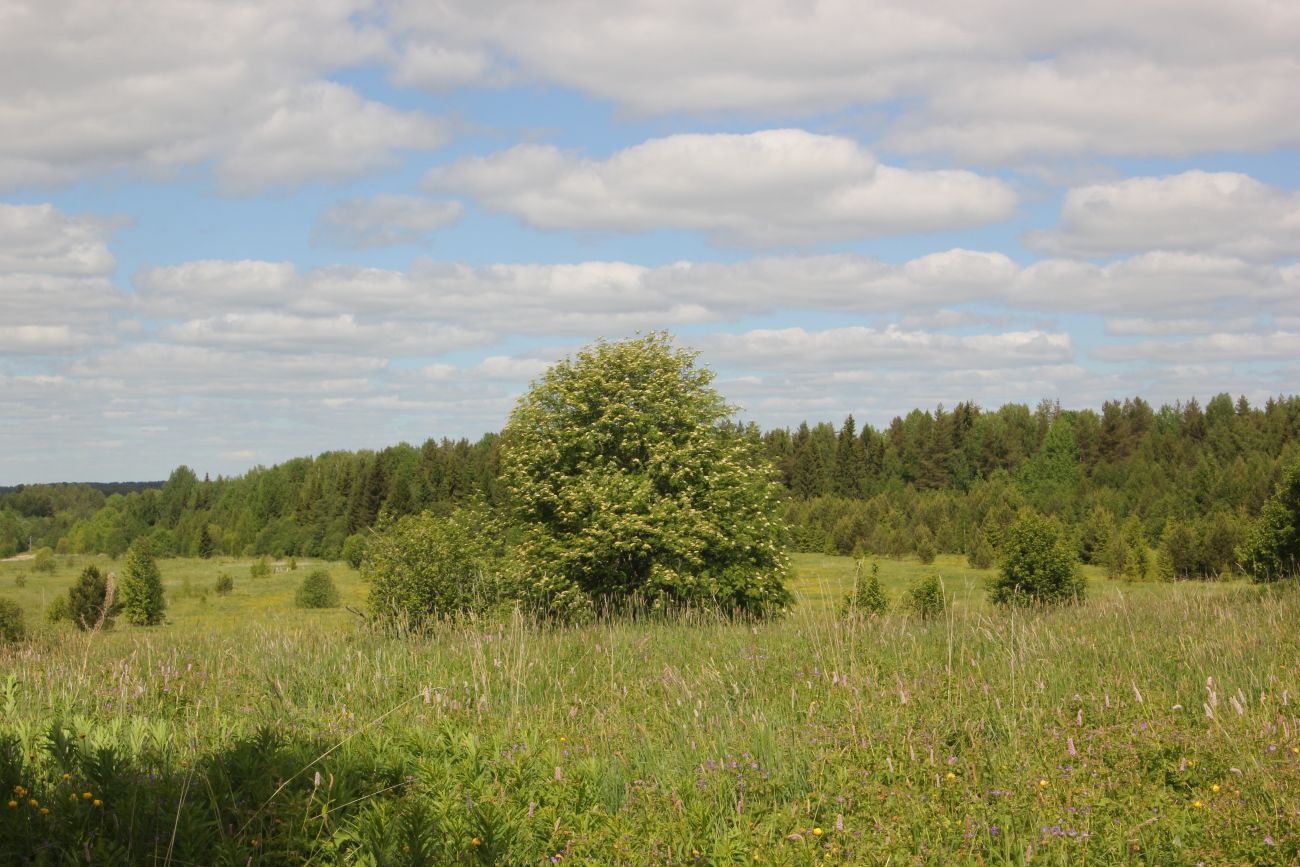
260,569
628,484
12,626
867,597
422,568
142,590
225,584
43,561
926,598
317,590
354,550
925,550
20,580
1039,564
1272,547
57,610
86,598
981,554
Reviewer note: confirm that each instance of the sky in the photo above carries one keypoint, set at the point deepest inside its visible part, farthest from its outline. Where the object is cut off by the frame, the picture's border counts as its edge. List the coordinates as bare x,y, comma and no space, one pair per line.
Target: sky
234,232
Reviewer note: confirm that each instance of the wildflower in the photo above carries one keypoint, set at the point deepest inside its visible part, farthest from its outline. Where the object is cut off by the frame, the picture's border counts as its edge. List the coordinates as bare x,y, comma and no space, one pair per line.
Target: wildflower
476,842
67,777
1196,804
98,803
86,796
45,811
1042,784
12,804
951,775
1214,788
33,803
19,791
817,832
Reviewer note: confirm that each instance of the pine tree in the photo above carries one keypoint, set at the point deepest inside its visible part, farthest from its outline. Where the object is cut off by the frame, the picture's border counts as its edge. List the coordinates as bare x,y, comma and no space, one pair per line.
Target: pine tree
206,545
142,590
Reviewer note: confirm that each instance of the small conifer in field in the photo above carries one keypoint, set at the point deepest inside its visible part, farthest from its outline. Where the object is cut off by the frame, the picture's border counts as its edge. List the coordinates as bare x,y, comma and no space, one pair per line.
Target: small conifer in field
142,590
225,584
867,597
317,590
260,569
86,599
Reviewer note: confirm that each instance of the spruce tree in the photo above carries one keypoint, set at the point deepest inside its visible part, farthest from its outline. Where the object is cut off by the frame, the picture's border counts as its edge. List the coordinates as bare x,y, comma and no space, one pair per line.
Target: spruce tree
142,590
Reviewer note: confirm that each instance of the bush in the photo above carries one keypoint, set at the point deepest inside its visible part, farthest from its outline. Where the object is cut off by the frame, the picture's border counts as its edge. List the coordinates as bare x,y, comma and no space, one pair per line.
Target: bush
86,598
12,626
20,580
260,569
1039,564
43,561
142,590
225,584
926,598
422,568
354,550
629,486
317,590
981,554
1272,547
867,597
925,550
57,610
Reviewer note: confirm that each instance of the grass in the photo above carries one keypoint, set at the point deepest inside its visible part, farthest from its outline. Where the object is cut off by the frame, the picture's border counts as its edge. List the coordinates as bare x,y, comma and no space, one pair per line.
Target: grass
1155,724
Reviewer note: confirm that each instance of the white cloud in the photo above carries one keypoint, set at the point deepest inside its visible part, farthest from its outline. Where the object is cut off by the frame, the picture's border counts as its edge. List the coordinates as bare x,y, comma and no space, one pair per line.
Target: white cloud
1223,213
385,220
839,349
782,186
155,85
986,79
322,131
44,239
1217,347
283,332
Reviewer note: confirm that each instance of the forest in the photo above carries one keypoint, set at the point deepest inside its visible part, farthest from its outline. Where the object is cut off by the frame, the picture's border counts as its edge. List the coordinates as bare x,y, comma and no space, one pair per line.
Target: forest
1130,479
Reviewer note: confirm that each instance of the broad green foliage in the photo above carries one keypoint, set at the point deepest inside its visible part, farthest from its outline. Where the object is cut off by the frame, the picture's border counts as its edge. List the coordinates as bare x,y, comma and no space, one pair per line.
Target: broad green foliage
867,597
626,484
1039,564
354,550
86,598
424,568
12,626
142,590
317,590
1272,550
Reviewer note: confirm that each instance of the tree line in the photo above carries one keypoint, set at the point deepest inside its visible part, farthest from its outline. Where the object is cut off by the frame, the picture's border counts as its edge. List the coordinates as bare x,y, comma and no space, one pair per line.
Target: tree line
1139,489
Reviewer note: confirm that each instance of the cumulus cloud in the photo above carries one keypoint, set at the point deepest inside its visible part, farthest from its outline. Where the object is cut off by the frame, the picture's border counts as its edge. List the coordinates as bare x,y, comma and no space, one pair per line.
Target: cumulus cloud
385,220
43,239
1217,347
1224,213
155,85
985,79
781,186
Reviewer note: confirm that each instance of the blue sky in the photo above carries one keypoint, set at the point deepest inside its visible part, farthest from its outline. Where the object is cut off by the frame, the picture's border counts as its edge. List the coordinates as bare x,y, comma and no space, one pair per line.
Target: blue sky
236,232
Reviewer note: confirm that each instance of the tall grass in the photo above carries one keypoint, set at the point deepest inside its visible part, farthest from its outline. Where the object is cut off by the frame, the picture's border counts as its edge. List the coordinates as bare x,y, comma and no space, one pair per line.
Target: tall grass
1156,724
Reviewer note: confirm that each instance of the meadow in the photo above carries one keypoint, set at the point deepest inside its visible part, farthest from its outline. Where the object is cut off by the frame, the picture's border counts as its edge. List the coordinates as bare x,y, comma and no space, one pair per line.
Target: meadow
1155,724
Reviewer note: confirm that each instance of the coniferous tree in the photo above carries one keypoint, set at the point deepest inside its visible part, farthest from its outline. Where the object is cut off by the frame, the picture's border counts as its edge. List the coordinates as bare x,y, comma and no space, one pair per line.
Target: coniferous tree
142,590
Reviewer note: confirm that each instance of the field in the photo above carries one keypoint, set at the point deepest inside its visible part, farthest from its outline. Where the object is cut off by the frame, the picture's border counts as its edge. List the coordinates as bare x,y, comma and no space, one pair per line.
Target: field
1157,724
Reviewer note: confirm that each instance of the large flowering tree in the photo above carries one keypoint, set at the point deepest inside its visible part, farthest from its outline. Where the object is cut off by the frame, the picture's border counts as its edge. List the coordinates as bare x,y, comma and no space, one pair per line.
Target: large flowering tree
628,484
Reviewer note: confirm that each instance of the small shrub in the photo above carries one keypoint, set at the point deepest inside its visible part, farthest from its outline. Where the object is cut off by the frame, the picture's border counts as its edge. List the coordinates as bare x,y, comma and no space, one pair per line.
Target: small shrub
44,560
1039,564
925,551
12,626
85,600
981,554
57,610
354,550
867,597
293,564
317,590
20,580
926,598
260,569
225,584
